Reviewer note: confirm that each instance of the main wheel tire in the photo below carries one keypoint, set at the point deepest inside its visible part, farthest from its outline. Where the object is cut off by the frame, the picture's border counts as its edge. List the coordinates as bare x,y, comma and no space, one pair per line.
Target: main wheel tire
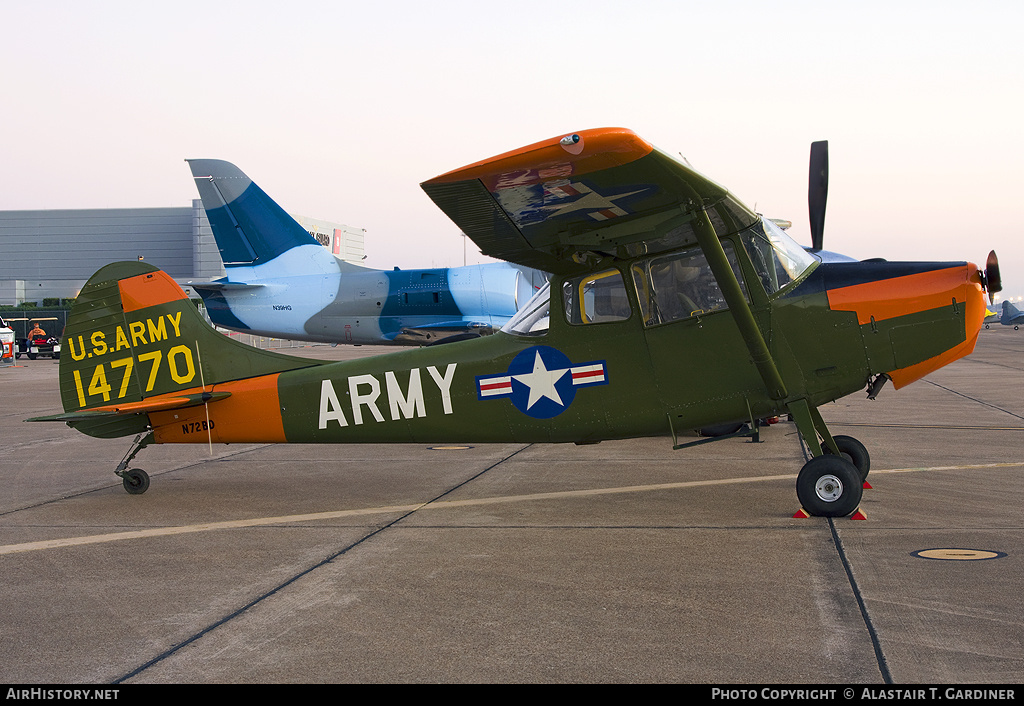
829,486
855,452
135,481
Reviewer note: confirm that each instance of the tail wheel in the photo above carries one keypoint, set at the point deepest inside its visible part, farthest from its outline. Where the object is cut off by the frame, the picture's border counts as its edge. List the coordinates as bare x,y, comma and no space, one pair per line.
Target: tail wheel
829,486
135,481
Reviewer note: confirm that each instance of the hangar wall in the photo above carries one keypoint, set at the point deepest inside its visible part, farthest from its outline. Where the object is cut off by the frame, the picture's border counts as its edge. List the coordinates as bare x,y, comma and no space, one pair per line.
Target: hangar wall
52,253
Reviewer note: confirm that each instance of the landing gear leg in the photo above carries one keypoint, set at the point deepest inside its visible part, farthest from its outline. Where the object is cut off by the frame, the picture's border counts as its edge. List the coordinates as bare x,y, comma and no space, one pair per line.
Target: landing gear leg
136,480
832,482
812,428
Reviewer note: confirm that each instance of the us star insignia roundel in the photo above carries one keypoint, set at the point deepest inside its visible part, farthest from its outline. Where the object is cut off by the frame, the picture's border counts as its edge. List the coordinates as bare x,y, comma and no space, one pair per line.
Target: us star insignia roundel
541,381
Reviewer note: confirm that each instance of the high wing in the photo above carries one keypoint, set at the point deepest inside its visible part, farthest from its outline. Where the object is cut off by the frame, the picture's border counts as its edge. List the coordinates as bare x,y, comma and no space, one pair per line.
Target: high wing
566,204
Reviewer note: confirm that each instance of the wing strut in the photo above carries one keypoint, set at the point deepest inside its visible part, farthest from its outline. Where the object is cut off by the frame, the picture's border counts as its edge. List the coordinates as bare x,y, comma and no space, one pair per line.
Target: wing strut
733,293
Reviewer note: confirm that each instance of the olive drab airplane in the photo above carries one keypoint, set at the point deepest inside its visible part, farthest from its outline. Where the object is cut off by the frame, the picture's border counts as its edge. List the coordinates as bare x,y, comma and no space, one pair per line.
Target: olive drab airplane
672,306
281,282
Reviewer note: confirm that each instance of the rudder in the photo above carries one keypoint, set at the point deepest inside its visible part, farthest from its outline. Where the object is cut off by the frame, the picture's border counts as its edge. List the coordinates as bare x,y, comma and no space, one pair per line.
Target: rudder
250,227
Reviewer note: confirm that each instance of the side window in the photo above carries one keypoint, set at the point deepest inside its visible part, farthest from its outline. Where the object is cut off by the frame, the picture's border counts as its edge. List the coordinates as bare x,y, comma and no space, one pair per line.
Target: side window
680,285
595,298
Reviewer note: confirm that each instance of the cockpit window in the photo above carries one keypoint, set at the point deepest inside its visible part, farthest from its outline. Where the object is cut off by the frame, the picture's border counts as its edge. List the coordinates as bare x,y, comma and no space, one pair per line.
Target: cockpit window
533,319
595,298
777,258
680,285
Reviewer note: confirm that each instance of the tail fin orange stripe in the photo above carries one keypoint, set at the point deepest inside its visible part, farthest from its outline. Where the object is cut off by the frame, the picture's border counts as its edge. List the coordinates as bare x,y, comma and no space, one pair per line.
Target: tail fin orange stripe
148,290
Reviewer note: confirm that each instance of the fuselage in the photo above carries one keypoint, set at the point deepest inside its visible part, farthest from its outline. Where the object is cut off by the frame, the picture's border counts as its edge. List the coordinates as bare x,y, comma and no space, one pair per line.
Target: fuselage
358,305
647,347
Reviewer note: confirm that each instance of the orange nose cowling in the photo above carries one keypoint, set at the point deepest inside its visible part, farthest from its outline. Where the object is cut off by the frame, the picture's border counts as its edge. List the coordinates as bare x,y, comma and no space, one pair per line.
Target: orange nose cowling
899,296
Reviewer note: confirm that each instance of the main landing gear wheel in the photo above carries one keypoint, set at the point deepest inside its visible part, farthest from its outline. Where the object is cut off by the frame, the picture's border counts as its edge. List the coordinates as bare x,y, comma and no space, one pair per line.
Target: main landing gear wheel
855,452
135,481
829,486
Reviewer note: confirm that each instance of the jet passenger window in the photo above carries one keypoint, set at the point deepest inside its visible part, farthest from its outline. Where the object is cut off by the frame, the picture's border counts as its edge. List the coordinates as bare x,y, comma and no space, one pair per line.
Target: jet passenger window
680,285
595,298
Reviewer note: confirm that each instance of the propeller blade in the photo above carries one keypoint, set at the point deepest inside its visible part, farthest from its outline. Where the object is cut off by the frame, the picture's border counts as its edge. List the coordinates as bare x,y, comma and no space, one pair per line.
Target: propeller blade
993,282
817,191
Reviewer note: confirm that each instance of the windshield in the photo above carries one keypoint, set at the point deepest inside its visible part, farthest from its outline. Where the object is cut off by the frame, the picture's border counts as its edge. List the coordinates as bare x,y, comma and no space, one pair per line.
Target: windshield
532,319
777,258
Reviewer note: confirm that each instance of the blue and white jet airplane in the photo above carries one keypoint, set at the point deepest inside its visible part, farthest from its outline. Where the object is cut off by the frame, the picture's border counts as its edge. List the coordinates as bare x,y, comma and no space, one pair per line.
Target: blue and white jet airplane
282,283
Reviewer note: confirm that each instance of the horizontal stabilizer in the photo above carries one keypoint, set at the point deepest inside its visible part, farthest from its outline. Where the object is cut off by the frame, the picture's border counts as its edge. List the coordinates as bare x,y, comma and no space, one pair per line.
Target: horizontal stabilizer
153,404
223,286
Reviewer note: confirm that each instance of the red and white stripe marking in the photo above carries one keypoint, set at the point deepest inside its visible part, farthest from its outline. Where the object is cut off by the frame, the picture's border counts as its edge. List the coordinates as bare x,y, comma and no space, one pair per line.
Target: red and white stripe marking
496,386
588,374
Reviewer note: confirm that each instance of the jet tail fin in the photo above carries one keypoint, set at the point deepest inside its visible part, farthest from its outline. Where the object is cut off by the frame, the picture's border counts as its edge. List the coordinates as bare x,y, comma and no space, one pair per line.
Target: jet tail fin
1010,312
135,344
249,226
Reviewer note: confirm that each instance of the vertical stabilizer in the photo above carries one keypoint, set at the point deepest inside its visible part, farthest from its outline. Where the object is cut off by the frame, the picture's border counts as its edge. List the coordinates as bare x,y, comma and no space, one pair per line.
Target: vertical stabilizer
134,344
250,228
1010,313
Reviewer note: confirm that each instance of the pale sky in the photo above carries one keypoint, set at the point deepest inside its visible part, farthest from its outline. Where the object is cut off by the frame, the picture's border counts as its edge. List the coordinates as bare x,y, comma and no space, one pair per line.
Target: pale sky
339,110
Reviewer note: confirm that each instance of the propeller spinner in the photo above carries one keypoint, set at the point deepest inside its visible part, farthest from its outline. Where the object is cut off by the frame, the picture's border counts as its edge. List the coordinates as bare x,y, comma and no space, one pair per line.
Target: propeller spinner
817,191
993,283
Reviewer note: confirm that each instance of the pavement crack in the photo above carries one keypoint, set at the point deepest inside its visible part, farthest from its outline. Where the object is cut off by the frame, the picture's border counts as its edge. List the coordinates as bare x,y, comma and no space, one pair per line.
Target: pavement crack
883,665
305,572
